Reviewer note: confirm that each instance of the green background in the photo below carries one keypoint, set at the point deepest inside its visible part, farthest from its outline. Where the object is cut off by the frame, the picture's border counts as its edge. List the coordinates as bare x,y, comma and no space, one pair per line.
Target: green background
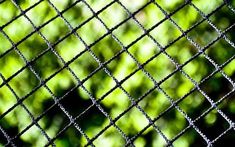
93,121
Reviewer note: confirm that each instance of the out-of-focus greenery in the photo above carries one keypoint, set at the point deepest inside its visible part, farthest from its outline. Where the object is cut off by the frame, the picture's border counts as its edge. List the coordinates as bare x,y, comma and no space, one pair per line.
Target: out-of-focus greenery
93,121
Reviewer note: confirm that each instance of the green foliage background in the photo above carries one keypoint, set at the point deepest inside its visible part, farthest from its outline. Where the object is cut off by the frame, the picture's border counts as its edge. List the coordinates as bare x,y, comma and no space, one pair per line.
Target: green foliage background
100,83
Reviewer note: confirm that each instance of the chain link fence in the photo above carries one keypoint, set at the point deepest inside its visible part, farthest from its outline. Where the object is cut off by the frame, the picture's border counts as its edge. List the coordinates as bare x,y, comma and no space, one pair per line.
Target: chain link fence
117,73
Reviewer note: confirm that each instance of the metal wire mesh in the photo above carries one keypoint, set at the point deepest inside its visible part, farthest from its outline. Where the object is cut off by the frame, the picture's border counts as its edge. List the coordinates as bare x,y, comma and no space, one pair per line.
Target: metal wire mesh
57,106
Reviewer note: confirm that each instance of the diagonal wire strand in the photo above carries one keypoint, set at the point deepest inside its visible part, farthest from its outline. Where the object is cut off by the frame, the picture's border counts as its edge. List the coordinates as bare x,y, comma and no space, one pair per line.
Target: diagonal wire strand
39,78
170,99
24,107
211,61
117,82
158,87
229,5
50,20
21,14
64,37
21,100
103,9
130,45
187,62
229,121
195,88
27,110
102,66
90,95
7,137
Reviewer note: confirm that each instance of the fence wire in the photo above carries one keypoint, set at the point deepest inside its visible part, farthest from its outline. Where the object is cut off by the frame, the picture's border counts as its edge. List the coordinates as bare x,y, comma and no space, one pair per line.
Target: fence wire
13,137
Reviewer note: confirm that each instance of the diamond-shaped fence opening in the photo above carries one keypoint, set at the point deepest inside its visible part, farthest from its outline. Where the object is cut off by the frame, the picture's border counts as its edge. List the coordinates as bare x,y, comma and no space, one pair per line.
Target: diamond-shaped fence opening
117,73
